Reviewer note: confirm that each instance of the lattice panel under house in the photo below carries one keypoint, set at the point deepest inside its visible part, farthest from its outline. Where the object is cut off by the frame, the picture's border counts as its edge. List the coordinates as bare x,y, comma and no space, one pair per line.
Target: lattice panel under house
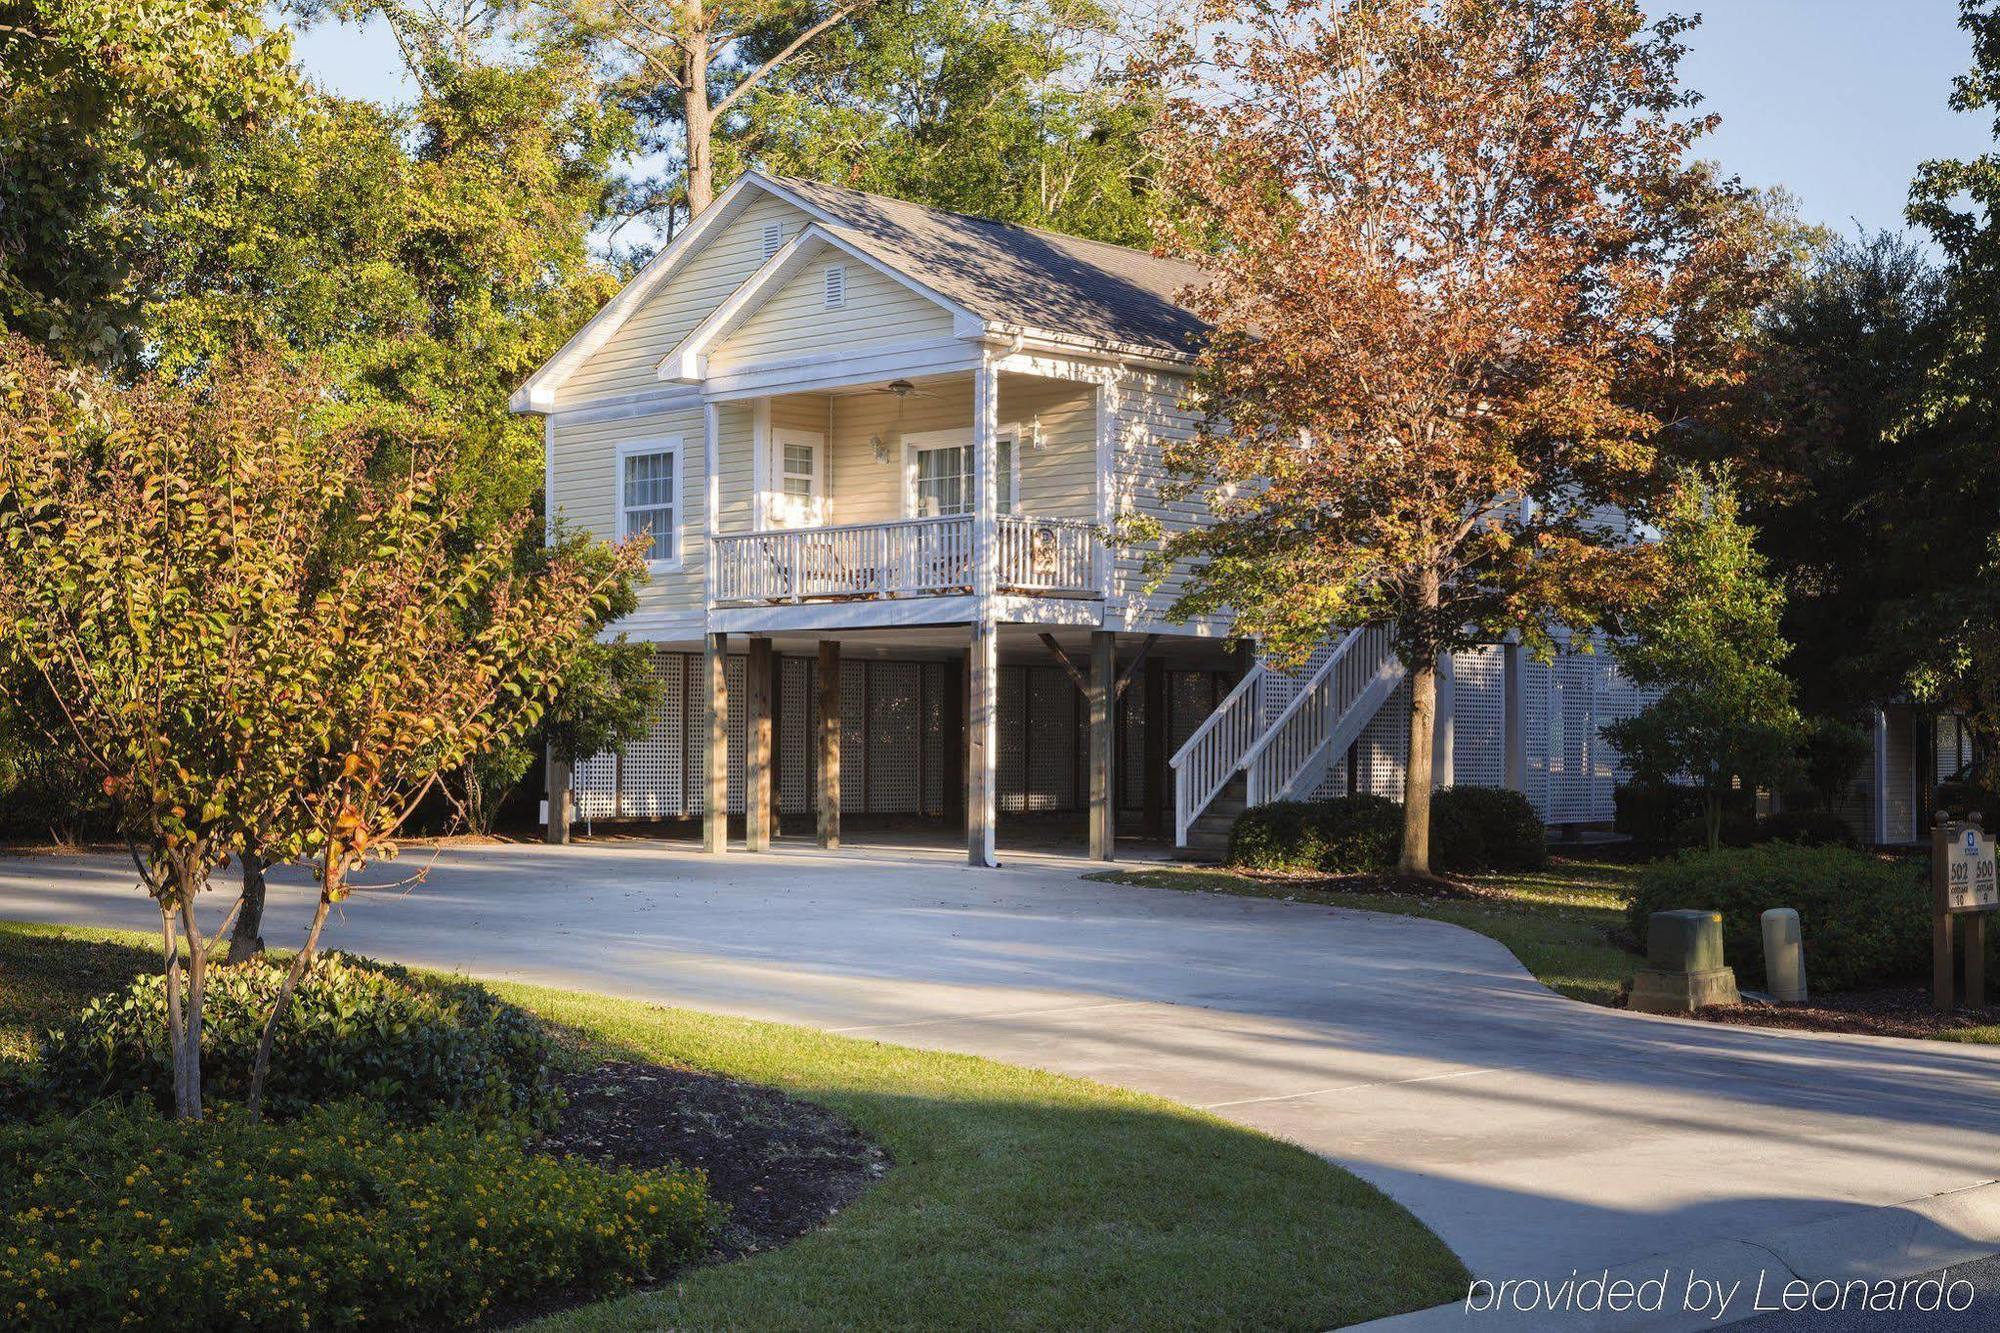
893,738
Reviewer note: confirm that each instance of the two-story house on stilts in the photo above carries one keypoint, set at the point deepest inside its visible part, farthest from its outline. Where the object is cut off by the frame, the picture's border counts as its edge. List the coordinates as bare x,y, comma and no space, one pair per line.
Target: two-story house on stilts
879,453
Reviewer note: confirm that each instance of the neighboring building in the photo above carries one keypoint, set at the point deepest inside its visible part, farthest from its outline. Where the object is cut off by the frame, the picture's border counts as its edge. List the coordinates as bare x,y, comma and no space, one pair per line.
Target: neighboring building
879,447
1915,749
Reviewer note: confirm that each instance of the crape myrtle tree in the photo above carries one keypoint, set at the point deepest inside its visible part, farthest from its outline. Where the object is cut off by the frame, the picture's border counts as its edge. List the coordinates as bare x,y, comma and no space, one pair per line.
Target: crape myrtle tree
144,536
241,680
1708,640
1463,273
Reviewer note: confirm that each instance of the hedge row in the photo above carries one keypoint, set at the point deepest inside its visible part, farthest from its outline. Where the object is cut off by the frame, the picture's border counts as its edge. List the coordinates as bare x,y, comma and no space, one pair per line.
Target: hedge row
1473,829
1865,920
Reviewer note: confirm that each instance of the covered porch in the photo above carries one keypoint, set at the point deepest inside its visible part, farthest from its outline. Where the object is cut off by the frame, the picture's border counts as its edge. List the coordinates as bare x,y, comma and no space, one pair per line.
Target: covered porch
909,486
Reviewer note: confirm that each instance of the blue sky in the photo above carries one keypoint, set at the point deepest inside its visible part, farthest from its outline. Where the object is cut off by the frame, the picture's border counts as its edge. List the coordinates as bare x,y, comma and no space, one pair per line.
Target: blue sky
1837,100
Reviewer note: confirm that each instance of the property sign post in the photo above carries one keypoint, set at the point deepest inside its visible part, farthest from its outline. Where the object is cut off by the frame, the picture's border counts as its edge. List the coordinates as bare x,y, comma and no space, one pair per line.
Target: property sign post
1966,884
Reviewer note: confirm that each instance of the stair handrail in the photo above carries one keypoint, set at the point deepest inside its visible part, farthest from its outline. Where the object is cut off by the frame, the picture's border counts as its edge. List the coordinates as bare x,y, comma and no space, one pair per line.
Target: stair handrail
1195,790
1330,693
1298,699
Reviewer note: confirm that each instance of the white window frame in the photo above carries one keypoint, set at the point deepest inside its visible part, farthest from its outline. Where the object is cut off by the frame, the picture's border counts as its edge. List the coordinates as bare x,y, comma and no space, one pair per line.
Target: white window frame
819,506
916,442
663,444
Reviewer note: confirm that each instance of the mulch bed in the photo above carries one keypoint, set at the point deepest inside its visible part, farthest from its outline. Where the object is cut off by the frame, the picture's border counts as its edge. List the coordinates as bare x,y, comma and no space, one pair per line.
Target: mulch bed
1903,1011
782,1166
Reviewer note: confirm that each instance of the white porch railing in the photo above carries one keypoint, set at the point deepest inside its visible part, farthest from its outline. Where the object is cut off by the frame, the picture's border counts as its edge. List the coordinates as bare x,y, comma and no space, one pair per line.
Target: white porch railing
1207,761
1291,756
1048,555
904,558
852,560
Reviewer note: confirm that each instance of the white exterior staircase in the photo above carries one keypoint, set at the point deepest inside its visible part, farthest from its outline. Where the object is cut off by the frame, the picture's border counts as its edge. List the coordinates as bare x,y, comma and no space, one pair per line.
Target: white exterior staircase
1274,739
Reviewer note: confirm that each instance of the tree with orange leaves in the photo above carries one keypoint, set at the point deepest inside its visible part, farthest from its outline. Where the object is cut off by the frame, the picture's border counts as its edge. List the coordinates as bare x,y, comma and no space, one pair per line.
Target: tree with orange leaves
1464,274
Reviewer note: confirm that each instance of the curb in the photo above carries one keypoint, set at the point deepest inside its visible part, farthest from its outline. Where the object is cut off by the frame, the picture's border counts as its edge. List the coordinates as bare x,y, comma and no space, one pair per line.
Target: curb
1897,1241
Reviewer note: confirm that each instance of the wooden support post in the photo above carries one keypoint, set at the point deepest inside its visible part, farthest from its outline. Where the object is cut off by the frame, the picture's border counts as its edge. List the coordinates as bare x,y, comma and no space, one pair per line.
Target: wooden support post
757,749
562,805
1103,679
1154,728
829,742
982,677
982,663
715,805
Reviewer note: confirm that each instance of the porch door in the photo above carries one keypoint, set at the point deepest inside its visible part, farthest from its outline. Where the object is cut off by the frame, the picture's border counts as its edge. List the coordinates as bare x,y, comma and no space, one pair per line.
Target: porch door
798,479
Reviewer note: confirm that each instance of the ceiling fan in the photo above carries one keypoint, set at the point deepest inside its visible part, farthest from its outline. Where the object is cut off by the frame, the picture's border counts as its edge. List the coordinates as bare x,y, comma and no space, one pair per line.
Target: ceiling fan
903,389
886,446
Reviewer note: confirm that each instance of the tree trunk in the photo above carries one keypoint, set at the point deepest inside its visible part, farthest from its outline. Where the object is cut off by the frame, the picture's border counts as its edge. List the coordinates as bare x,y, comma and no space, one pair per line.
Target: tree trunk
329,885
170,957
697,116
245,942
1712,815
191,1029
1416,859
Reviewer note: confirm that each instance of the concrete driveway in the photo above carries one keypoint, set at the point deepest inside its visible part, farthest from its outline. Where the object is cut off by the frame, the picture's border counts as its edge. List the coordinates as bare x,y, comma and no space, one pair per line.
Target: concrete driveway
1536,1135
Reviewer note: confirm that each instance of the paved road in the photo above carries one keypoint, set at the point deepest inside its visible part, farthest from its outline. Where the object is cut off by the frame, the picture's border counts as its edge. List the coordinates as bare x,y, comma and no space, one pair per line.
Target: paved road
1534,1134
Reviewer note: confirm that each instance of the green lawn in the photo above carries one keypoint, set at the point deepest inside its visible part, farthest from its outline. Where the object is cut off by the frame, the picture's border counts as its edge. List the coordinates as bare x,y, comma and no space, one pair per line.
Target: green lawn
1016,1197
1558,920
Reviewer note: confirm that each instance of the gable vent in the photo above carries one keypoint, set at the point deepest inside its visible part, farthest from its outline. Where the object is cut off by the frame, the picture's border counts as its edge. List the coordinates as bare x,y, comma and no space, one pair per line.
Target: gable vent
836,286
774,238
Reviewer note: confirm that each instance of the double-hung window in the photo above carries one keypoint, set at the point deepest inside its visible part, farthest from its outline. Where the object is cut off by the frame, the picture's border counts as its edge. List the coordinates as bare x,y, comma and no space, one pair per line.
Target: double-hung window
941,477
649,497
801,479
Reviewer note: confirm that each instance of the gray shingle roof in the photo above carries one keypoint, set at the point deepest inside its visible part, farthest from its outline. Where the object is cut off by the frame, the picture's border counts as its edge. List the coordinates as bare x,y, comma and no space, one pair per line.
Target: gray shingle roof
1012,274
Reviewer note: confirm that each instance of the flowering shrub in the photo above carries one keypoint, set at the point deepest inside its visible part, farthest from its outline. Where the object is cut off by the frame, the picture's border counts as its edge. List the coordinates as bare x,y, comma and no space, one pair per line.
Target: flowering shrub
356,1028
120,1217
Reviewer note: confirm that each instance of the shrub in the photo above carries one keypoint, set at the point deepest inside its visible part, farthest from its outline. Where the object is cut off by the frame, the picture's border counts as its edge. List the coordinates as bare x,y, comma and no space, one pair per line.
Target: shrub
1865,921
355,1028
122,1217
1458,836
1510,833
1345,836
1809,828
1473,829
1739,829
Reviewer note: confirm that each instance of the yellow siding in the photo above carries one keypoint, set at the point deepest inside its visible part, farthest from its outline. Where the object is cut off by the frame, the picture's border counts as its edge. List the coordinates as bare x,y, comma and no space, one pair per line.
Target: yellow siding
585,494
795,321
735,438
1060,479
1149,413
629,362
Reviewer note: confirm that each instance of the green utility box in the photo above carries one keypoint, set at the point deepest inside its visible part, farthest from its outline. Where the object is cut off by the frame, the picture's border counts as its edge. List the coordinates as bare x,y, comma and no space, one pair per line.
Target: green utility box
1685,969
